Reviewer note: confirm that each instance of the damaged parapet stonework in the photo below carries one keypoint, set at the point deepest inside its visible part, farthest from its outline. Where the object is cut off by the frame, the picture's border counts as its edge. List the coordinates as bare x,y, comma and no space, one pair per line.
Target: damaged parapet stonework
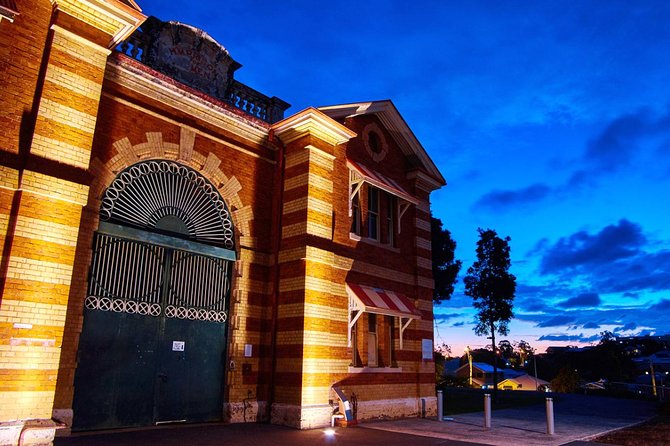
192,57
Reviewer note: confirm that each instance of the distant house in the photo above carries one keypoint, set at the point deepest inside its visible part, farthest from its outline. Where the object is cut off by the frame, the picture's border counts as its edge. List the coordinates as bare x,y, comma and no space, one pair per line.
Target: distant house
522,382
451,366
660,360
482,373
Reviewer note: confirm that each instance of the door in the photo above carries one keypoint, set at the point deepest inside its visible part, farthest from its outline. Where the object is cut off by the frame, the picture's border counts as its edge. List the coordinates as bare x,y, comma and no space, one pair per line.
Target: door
153,341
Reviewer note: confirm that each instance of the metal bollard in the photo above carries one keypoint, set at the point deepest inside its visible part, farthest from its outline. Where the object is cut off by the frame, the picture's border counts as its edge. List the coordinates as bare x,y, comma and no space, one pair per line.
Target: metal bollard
440,409
550,416
487,411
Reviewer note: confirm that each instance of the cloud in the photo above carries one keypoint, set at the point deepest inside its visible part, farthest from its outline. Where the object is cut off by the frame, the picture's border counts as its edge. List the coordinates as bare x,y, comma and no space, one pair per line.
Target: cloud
620,143
615,146
458,324
591,325
613,260
446,316
569,338
627,327
501,199
557,321
614,242
582,300
663,305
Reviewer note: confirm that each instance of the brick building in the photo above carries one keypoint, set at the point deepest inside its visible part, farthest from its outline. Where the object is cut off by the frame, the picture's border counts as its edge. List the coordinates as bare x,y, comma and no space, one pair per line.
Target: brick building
175,249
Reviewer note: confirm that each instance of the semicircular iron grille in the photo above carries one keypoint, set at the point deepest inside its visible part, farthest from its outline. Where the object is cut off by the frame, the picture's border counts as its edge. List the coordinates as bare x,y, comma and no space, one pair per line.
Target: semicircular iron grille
147,192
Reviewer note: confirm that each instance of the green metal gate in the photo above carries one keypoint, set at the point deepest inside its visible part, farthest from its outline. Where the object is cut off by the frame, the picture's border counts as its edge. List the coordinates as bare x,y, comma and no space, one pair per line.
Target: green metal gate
153,342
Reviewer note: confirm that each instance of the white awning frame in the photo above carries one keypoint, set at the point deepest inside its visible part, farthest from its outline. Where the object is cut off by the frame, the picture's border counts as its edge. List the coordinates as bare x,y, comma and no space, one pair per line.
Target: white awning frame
356,180
357,308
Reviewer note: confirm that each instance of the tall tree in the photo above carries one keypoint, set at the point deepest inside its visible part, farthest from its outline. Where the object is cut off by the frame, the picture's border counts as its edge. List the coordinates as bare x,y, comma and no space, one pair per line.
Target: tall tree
505,349
445,265
492,288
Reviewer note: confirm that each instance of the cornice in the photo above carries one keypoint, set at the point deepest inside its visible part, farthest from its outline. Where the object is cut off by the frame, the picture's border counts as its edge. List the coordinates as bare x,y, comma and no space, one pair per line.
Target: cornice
312,122
424,181
116,18
141,79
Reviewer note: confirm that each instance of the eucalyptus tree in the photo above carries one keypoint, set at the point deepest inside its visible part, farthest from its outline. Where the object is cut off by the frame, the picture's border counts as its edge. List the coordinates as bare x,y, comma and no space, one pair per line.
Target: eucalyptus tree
492,288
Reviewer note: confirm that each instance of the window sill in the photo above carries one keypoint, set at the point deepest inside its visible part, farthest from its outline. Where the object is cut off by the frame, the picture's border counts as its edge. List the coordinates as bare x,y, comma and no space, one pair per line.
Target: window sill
375,369
373,242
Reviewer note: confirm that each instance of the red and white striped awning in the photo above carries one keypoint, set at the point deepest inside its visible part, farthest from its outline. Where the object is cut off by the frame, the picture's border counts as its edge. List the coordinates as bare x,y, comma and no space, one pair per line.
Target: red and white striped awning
376,300
380,181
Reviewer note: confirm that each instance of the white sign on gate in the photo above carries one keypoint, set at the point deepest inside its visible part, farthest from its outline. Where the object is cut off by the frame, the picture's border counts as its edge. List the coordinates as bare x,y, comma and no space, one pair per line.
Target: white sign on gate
178,346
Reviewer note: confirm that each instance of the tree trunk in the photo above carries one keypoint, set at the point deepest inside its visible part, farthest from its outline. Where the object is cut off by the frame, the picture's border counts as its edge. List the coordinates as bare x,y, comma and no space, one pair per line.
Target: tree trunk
495,364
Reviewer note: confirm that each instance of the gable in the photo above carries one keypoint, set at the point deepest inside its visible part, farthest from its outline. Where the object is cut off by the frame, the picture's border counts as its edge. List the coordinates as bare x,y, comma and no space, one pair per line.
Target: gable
401,135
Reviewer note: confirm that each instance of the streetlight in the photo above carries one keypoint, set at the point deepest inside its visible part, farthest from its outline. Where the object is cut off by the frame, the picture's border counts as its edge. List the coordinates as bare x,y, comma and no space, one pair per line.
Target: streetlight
653,377
467,350
535,366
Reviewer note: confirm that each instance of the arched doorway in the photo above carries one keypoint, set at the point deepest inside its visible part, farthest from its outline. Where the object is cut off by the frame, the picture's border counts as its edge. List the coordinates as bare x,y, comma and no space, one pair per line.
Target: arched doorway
153,342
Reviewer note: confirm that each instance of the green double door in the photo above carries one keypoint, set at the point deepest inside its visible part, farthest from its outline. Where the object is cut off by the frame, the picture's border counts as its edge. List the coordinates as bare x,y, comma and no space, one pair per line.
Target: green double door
153,342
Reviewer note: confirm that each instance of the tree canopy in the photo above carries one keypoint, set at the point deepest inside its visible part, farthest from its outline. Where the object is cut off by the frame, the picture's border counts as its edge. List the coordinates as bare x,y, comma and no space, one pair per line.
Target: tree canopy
445,266
491,285
492,288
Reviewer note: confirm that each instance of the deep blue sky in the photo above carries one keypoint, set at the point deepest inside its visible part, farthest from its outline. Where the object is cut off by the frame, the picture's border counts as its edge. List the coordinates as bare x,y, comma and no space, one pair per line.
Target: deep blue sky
550,121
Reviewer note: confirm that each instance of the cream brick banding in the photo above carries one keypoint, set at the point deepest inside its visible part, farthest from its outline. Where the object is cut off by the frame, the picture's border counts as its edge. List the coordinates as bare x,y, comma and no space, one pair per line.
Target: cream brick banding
60,151
315,338
73,82
67,116
39,271
311,179
78,47
46,231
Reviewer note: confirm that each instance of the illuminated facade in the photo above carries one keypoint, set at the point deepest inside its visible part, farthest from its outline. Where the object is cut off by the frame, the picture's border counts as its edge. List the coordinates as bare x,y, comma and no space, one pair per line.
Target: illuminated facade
175,249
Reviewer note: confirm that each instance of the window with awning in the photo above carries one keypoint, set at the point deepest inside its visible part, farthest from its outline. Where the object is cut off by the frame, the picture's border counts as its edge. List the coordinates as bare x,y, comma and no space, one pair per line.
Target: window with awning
367,299
360,174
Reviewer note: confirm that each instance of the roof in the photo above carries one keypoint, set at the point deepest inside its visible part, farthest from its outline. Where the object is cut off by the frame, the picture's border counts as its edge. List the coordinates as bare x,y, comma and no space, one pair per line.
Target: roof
377,300
395,124
526,381
488,368
380,181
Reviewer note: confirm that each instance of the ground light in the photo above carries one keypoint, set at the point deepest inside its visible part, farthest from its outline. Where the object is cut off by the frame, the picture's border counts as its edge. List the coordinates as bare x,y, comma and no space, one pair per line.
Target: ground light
329,433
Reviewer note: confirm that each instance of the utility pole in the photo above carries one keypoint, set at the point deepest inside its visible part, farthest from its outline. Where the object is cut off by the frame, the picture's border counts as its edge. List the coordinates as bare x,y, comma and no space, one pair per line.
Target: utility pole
653,377
467,350
535,366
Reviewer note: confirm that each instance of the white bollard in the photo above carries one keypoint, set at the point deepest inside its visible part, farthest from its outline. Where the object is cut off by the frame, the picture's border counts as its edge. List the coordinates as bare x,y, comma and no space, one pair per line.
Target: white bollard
440,409
550,416
487,411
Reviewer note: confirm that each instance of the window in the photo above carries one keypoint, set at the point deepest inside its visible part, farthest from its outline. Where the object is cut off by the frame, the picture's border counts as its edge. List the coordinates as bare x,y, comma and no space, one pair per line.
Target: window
390,351
372,340
355,213
373,213
390,227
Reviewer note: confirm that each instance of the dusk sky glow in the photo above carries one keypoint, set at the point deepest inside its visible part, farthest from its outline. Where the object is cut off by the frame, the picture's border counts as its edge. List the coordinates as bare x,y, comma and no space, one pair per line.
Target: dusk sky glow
550,121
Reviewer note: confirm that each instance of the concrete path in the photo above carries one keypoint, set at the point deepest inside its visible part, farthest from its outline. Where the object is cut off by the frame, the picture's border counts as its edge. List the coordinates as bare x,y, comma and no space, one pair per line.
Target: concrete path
577,417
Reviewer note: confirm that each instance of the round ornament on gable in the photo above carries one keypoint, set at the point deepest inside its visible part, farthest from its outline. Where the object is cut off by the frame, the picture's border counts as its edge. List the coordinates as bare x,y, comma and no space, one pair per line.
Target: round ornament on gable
375,142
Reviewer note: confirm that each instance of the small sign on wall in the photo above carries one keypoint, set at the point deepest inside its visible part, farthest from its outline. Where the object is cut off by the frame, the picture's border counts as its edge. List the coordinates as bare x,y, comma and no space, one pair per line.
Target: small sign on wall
427,349
178,346
247,351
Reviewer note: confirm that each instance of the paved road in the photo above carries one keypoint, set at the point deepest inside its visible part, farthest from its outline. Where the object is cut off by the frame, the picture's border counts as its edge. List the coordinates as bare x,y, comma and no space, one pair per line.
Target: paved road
577,418
253,435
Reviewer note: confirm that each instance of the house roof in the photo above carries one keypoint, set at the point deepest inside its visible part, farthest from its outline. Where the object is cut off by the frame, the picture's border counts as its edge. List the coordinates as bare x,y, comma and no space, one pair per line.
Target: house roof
526,381
395,124
488,368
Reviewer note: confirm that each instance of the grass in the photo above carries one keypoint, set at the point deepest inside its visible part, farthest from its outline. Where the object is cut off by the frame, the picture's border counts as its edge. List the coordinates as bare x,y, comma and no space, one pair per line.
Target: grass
462,400
653,433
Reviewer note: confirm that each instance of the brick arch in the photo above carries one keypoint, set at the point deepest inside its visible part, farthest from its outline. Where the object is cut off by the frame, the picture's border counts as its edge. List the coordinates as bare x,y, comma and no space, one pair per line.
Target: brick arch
156,148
